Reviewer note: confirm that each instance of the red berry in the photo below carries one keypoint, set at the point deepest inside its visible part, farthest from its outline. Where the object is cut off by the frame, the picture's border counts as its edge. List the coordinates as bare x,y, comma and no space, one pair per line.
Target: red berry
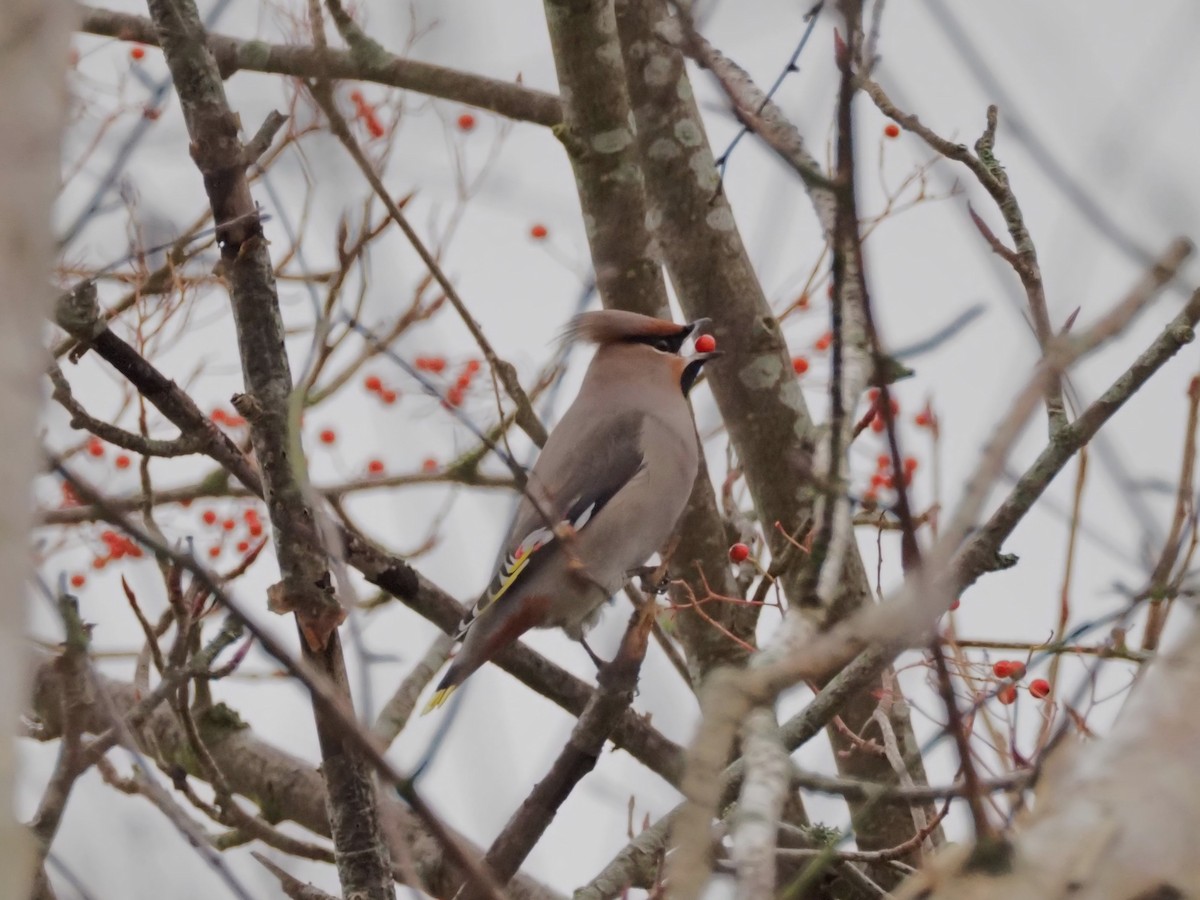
78,580
229,524
883,461
922,420
137,52
466,122
802,301
99,563
328,436
374,126
910,464
870,497
429,464
955,605
214,552
463,382
892,130
388,397
373,383
877,425
209,517
706,343
1007,694
375,467
122,461
250,515
454,397
1008,668
473,366
799,365
1039,688
823,342
243,546
739,552
356,97
95,446
878,481
538,232
218,416
256,529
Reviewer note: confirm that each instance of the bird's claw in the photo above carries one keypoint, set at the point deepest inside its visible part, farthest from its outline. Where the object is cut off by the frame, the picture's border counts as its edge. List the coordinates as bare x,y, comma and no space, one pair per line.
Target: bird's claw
655,579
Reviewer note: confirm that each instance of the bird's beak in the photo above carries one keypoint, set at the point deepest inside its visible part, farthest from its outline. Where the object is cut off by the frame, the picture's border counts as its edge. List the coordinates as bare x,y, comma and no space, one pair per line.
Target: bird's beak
699,326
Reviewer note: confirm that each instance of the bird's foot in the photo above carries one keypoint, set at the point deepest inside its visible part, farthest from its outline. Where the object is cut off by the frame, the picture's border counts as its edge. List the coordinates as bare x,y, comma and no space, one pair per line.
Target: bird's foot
655,579
599,663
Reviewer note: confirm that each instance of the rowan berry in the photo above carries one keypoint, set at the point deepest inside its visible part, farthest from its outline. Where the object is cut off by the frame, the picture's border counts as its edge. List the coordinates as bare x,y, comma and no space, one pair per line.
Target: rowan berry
799,365
1039,688
706,343
328,436
466,122
892,130
538,232
739,552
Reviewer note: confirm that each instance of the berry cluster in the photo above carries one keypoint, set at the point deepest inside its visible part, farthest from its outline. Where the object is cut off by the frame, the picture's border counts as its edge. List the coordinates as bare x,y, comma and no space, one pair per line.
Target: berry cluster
95,449
456,393
116,547
1014,670
875,412
227,526
374,385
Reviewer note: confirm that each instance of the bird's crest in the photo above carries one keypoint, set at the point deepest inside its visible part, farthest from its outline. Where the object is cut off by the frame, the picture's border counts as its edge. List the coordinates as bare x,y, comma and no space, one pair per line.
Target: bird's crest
613,326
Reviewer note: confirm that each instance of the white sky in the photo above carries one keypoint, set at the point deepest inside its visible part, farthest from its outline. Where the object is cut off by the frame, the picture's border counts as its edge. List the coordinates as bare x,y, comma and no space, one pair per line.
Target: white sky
1110,93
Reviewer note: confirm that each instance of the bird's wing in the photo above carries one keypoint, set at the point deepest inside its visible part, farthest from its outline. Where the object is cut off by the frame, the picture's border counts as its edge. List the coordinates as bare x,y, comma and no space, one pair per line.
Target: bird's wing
577,487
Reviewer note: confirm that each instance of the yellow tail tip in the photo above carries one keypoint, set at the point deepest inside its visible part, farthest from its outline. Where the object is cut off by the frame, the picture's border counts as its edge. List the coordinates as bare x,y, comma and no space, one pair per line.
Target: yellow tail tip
438,699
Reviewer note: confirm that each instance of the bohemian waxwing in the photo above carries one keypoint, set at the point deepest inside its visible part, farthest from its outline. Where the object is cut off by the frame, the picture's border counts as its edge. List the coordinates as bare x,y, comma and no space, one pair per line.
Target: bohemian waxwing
605,493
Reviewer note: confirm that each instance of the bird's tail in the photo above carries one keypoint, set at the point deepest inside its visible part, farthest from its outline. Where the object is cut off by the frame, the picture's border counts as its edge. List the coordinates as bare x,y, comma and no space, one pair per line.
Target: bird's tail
440,697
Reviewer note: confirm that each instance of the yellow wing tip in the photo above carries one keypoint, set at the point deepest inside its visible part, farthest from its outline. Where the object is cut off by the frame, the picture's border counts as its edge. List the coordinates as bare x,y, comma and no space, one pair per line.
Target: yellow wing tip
439,699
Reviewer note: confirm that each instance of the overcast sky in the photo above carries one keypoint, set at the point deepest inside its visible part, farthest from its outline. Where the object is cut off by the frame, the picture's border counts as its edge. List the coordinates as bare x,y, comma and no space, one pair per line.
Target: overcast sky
1098,135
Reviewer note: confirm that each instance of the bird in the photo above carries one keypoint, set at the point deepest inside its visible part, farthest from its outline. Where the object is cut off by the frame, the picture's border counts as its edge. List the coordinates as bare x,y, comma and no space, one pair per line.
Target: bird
604,494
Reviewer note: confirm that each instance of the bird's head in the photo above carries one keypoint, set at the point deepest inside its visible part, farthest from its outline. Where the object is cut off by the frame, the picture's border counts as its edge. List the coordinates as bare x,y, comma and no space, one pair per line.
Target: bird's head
654,341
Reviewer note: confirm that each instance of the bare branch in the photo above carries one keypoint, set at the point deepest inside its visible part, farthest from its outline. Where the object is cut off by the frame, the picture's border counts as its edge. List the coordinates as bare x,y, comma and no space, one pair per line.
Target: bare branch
234,55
